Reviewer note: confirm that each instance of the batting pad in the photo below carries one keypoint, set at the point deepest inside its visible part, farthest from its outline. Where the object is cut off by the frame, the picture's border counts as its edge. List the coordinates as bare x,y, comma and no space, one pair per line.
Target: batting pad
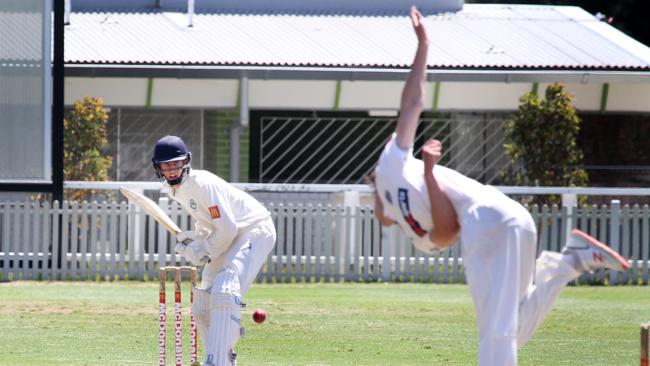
201,311
225,318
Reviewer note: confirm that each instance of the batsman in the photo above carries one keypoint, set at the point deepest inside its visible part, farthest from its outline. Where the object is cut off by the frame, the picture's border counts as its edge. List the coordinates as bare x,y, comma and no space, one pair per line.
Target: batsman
231,228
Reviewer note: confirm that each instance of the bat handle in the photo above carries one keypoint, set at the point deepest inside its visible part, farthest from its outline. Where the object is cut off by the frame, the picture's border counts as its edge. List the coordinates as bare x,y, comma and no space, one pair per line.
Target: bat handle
204,260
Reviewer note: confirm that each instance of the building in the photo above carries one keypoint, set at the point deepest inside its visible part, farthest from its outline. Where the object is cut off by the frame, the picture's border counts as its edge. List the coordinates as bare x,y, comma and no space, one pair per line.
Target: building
306,91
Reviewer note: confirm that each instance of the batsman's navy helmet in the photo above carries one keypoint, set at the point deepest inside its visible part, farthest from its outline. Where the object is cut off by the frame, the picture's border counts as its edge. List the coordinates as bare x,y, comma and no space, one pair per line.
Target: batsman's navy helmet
168,149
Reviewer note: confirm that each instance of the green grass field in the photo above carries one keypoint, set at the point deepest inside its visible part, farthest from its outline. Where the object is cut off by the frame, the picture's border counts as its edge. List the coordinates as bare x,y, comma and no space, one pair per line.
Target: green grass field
313,324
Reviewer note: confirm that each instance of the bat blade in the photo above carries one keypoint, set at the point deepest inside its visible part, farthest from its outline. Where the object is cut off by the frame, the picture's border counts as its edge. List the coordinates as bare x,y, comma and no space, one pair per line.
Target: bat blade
152,209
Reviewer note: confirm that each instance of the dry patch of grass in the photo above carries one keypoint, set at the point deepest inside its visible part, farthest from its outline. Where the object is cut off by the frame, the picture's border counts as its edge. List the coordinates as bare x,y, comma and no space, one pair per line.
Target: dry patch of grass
42,307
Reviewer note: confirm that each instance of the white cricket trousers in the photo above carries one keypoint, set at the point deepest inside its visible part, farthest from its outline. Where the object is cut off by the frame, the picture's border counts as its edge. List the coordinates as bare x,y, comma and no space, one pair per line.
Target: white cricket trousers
498,245
246,256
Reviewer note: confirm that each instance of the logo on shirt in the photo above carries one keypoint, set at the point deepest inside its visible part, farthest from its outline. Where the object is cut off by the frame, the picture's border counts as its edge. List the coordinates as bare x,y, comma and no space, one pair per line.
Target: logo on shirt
214,212
192,204
389,198
406,212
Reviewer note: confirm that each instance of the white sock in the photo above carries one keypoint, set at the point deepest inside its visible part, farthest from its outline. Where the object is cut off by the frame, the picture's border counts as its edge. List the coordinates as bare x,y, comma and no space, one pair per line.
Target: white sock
572,260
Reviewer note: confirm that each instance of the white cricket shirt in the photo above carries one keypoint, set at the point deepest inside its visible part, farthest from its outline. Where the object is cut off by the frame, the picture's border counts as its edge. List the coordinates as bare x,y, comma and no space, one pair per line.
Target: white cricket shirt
399,180
217,206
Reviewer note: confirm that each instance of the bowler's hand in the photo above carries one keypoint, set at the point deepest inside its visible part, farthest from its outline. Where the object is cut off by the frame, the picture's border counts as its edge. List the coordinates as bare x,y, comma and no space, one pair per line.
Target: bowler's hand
418,27
431,154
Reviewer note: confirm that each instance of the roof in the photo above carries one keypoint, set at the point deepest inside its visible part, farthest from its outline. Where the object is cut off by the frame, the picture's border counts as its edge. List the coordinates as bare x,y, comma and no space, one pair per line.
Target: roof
304,7
480,39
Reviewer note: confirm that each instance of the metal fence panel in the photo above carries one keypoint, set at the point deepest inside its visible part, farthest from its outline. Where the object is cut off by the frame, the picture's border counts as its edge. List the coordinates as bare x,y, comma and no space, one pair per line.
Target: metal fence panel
344,149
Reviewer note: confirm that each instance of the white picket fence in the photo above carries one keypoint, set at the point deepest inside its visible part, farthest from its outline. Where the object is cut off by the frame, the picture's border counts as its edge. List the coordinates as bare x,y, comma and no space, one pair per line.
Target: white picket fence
111,240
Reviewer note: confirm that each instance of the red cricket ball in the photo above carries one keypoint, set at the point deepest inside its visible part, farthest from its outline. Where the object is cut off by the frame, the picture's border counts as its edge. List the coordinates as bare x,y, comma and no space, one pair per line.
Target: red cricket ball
259,316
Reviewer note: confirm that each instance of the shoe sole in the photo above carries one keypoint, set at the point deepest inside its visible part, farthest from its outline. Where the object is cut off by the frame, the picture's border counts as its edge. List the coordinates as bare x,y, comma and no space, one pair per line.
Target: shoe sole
602,246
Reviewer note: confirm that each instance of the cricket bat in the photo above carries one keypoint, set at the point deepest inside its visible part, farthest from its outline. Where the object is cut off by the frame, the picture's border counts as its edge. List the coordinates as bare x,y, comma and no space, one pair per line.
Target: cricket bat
153,210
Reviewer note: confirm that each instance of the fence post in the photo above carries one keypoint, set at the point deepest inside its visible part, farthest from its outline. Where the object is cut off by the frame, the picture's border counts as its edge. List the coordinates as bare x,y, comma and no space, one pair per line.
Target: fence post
137,244
614,234
164,203
386,252
351,200
570,201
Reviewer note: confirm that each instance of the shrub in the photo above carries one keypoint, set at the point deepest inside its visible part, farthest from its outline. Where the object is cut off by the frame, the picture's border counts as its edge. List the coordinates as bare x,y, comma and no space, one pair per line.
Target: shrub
540,141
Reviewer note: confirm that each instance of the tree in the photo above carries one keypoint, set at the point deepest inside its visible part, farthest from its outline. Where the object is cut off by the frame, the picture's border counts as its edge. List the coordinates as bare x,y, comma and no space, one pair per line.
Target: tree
540,141
84,141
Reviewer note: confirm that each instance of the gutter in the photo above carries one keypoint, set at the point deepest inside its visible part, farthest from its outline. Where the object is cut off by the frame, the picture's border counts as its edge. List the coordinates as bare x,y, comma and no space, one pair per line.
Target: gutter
351,73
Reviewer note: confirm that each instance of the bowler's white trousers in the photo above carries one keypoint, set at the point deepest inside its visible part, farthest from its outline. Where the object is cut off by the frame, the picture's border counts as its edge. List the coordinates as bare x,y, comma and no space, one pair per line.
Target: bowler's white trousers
498,246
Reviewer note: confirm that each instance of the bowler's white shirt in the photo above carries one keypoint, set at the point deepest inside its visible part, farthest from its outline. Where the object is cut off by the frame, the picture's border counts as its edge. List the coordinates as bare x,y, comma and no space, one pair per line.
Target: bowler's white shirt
222,209
399,179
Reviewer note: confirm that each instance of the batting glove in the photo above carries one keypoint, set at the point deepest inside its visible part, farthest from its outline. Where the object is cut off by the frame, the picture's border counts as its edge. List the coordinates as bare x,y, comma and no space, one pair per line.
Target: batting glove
183,235
194,252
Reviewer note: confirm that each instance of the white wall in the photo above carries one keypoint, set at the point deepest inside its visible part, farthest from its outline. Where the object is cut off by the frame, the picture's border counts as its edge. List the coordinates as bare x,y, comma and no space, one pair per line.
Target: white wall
114,91
587,97
629,98
480,96
360,95
354,95
292,94
213,93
